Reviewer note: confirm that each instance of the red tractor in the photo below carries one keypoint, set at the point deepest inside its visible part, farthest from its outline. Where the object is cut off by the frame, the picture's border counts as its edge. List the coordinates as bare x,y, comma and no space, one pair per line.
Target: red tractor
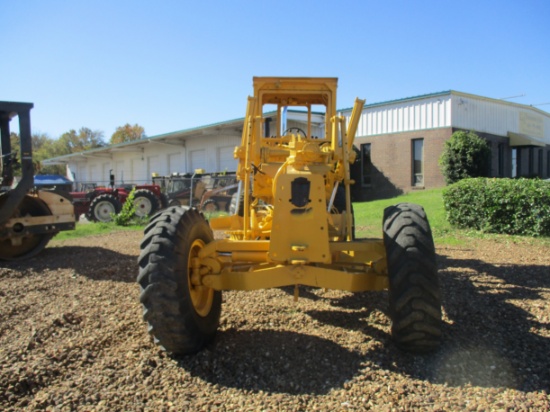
99,203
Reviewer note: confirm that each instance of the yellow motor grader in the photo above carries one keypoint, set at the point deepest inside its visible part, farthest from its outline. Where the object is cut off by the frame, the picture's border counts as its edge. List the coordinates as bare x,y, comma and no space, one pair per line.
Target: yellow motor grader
293,225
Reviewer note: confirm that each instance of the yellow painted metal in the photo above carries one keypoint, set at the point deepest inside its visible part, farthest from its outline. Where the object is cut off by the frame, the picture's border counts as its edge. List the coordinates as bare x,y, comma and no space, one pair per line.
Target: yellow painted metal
354,122
201,295
272,276
289,232
299,233
62,211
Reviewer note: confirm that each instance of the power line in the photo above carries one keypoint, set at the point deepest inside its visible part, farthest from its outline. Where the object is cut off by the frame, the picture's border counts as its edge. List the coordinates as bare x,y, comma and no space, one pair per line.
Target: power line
513,97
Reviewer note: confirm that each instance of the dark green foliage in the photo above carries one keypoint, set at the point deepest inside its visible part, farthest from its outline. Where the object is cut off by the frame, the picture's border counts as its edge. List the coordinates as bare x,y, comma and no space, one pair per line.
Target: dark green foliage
127,216
44,147
465,155
510,206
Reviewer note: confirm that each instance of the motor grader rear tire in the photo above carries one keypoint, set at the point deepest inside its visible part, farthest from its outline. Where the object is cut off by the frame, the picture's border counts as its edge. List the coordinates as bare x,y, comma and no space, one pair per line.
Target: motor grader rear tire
182,317
414,296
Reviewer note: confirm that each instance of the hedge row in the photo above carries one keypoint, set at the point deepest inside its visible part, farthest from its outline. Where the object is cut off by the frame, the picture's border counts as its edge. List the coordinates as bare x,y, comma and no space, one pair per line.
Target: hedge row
511,206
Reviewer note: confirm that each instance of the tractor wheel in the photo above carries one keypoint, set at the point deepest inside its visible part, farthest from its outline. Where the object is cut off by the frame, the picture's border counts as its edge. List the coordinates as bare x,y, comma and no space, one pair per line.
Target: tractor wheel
102,207
31,244
210,206
183,317
414,296
145,203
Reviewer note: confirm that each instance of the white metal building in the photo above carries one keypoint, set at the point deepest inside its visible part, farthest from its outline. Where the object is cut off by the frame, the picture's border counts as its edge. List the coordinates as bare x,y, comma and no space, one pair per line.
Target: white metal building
400,143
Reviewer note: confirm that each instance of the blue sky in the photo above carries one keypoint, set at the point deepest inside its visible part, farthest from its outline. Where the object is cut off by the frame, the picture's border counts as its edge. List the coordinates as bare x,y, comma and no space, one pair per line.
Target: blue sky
173,65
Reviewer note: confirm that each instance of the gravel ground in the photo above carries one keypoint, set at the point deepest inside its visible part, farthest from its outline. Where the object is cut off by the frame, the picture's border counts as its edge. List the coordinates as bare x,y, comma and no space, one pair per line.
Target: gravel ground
72,338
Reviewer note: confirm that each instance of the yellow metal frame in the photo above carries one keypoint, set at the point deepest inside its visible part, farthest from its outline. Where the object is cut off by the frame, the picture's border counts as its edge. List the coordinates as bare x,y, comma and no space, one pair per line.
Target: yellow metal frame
289,232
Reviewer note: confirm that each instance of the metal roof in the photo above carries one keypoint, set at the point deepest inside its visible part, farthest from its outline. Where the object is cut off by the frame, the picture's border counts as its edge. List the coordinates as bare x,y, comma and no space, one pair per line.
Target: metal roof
182,135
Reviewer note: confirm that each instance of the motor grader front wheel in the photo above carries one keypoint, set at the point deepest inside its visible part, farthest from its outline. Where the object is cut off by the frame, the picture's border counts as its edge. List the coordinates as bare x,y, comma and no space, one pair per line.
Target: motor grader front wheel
183,316
414,296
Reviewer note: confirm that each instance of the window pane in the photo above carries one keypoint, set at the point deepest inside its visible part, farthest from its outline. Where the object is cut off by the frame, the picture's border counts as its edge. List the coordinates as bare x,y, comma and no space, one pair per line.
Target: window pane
501,159
514,162
418,162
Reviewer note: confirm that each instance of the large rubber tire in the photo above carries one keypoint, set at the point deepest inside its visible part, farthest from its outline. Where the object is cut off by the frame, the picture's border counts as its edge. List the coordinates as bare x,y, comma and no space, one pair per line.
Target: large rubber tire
145,203
414,296
210,206
30,245
182,318
102,207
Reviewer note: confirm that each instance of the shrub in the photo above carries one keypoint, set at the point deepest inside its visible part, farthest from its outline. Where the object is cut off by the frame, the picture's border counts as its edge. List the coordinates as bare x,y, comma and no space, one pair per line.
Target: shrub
510,206
465,155
127,215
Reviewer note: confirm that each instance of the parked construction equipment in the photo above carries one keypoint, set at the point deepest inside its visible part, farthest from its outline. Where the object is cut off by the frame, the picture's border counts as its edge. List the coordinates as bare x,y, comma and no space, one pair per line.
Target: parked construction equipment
29,217
99,204
293,225
209,192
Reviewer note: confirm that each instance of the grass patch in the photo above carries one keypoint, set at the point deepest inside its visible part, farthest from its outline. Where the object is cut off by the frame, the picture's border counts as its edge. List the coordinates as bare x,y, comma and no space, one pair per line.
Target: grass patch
92,229
369,215
368,220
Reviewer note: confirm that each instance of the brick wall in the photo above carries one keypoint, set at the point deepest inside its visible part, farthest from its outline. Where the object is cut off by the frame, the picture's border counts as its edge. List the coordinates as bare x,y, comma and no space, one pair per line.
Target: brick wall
391,156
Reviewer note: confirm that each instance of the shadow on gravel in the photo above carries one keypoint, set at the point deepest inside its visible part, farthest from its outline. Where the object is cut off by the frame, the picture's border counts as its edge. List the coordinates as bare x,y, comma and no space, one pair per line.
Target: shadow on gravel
251,360
96,263
487,340
491,342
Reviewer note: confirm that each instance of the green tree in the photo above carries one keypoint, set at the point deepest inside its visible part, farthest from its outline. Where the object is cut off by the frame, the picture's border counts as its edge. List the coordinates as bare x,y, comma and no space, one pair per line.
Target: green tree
15,150
73,142
127,133
465,155
43,148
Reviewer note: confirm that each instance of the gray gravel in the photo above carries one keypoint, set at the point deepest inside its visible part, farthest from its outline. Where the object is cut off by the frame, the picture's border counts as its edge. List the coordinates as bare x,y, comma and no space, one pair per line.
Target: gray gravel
72,339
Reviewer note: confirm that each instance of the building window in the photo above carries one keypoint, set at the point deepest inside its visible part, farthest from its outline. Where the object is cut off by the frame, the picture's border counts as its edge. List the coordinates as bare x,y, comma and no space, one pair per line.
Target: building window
418,162
531,162
540,163
366,165
548,164
516,162
501,160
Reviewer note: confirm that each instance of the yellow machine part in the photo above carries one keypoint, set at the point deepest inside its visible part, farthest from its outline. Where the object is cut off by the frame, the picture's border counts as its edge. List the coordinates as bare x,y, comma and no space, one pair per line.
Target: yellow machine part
289,231
299,234
245,265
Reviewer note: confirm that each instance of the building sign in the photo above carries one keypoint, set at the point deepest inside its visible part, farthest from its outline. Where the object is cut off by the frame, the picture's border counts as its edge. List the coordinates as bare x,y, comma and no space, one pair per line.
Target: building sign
531,125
